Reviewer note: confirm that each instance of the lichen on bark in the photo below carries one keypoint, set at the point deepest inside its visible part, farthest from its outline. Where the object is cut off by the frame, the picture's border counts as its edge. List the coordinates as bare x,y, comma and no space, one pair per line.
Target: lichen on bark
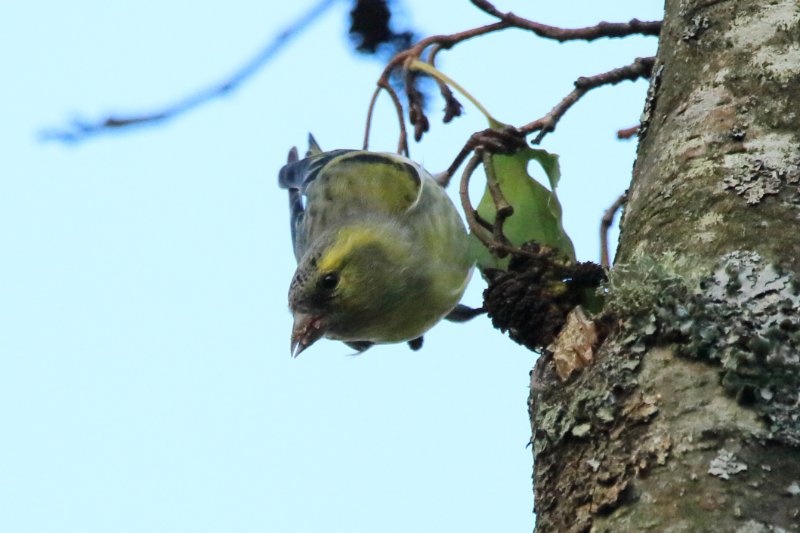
688,417
744,318
699,381
721,133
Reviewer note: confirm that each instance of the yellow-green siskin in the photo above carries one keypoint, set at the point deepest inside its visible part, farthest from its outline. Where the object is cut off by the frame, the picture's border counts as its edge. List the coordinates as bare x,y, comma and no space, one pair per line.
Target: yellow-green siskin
382,252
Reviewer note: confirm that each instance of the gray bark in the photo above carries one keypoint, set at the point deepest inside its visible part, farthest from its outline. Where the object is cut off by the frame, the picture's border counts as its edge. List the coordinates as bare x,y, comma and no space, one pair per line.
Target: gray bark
688,416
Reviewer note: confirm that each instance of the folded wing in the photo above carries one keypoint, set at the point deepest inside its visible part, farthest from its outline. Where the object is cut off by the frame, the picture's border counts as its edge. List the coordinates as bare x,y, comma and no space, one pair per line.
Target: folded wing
344,184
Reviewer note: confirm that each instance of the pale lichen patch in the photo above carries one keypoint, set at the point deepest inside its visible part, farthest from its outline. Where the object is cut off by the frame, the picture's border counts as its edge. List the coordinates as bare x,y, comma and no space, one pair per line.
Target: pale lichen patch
754,28
708,220
705,100
721,76
744,318
705,233
782,63
777,167
754,181
777,149
752,526
725,465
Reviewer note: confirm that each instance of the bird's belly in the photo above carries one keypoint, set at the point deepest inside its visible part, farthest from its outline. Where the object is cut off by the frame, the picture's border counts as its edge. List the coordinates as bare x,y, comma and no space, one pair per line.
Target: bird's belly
418,310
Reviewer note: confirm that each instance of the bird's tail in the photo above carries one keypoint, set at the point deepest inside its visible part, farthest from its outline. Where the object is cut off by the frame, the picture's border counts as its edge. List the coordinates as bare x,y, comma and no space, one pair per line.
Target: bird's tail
313,147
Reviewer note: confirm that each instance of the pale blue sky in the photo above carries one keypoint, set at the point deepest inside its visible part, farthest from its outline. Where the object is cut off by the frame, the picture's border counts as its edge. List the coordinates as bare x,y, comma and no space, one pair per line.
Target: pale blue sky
145,377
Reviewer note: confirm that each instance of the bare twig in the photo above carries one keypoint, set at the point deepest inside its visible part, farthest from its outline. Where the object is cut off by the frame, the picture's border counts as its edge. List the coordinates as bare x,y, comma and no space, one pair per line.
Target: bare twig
416,51
628,133
81,129
503,141
416,105
503,209
510,139
478,229
368,126
452,107
402,145
507,20
603,29
640,68
491,235
605,224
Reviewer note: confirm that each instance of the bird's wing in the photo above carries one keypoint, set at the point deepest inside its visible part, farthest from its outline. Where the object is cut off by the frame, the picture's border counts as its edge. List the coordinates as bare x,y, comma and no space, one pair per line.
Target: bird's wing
295,176
343,184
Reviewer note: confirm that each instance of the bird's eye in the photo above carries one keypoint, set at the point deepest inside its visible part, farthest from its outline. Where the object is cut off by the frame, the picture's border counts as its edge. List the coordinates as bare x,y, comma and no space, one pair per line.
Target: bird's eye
329,281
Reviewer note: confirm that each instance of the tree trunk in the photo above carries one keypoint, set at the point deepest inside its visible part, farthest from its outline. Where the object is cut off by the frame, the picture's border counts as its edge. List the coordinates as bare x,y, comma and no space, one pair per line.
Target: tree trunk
688,416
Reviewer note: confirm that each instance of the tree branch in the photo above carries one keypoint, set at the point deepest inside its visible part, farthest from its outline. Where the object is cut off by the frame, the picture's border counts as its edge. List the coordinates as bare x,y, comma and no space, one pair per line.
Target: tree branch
603,29
605,225
416,51
82,129
490,234
640,68
510,138
509,20
627,133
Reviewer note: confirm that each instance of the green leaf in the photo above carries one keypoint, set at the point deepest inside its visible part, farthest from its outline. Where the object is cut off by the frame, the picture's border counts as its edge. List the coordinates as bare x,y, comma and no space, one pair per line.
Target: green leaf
549,163
537,212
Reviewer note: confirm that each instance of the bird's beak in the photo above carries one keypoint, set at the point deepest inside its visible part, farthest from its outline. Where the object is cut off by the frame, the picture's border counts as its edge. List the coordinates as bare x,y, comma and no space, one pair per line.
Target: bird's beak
306,331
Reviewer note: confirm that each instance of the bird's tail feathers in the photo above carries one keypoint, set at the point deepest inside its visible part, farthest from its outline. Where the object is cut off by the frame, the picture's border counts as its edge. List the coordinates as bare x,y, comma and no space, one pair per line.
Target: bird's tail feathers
313,147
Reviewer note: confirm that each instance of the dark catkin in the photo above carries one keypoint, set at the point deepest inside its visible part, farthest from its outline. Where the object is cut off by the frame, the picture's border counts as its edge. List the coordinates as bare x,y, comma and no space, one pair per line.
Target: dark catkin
530,301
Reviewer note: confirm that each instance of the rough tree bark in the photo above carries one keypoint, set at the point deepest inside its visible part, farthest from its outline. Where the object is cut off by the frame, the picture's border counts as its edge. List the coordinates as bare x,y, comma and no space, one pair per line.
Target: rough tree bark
688,417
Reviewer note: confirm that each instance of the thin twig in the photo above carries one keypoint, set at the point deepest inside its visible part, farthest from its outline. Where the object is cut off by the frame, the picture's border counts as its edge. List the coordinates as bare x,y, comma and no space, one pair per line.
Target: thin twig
371,107
478,229
416,51
445,177
590,33
416,104
503,209
507,20
402,143
452,107
505,141
402,147
500,247
444,41
81,129
605,225
627,133
640,68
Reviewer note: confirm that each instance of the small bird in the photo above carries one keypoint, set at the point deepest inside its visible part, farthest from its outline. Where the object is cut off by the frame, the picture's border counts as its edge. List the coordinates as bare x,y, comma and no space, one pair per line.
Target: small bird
382,253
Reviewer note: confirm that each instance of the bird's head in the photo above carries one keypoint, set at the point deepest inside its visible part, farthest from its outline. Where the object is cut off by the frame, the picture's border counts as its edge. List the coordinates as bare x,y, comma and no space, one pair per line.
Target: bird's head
347,284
